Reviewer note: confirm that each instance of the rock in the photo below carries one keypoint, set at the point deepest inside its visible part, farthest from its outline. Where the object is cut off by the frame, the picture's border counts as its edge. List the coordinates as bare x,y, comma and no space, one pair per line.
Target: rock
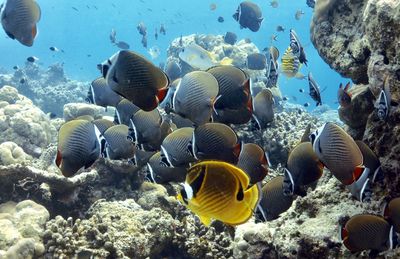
23,123
21,229
73,110
11,153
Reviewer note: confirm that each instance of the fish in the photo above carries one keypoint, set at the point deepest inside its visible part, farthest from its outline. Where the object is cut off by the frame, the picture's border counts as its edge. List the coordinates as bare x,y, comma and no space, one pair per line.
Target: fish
290,64
144,41
391,212
122,45
75,9
199,58
220,19
273,203
78,146
195,96
303,168
124,110
383,102
220,191
310,3
343,95
263,112
113,36
118,147
248,15
366,232
370,159
145,128
285,98
162,29
314,90
32,59
15,67
134,77
280,28
102,125
238,116
174,148
142,157
173,70
297,48
230,38
157,172
215,141
167,103
274,4
101,94
254,161
156,34
301,90
256,61
298,14
213,6
274,37
154,52
19,19
22,81
338,152
181,41
55,49
272,69
234,87
305,104
142,29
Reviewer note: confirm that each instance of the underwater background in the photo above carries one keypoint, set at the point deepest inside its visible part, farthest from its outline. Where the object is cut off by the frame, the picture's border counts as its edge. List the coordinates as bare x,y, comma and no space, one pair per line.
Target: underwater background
94,166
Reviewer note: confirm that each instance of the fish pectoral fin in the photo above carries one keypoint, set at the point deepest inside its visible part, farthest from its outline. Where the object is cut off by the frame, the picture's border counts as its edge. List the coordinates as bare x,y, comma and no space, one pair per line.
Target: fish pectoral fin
34,31
205,220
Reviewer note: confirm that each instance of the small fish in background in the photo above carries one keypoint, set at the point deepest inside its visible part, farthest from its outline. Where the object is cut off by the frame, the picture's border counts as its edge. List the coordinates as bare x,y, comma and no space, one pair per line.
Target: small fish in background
55,49
367,232
220,19
274,4
294,98
285,98
75,9
52,115
298,14
280,28
78,146
263,112
274,37
19,19
249,15
144,41
220,191
113,36
303,169
157,172
162,29
174,148
22,81
297,48
32,59
343,95
213,6
301,90
181,41
117,146
195,96
199,58
154,52
391,212
15,67
384,101
101,94
142,29
315,93
310,3
230,38
256,61
126,72
122,45
215,141
156,34
253,160
306,104
273,203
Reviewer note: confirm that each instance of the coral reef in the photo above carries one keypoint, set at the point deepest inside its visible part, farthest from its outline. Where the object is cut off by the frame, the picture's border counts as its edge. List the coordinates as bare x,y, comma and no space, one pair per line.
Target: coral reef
73,110
23,123
11,153
48,89
367,53
21,229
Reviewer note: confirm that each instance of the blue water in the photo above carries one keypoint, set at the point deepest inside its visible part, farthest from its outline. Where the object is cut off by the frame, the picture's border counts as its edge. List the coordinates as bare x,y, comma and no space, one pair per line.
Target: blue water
84,35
